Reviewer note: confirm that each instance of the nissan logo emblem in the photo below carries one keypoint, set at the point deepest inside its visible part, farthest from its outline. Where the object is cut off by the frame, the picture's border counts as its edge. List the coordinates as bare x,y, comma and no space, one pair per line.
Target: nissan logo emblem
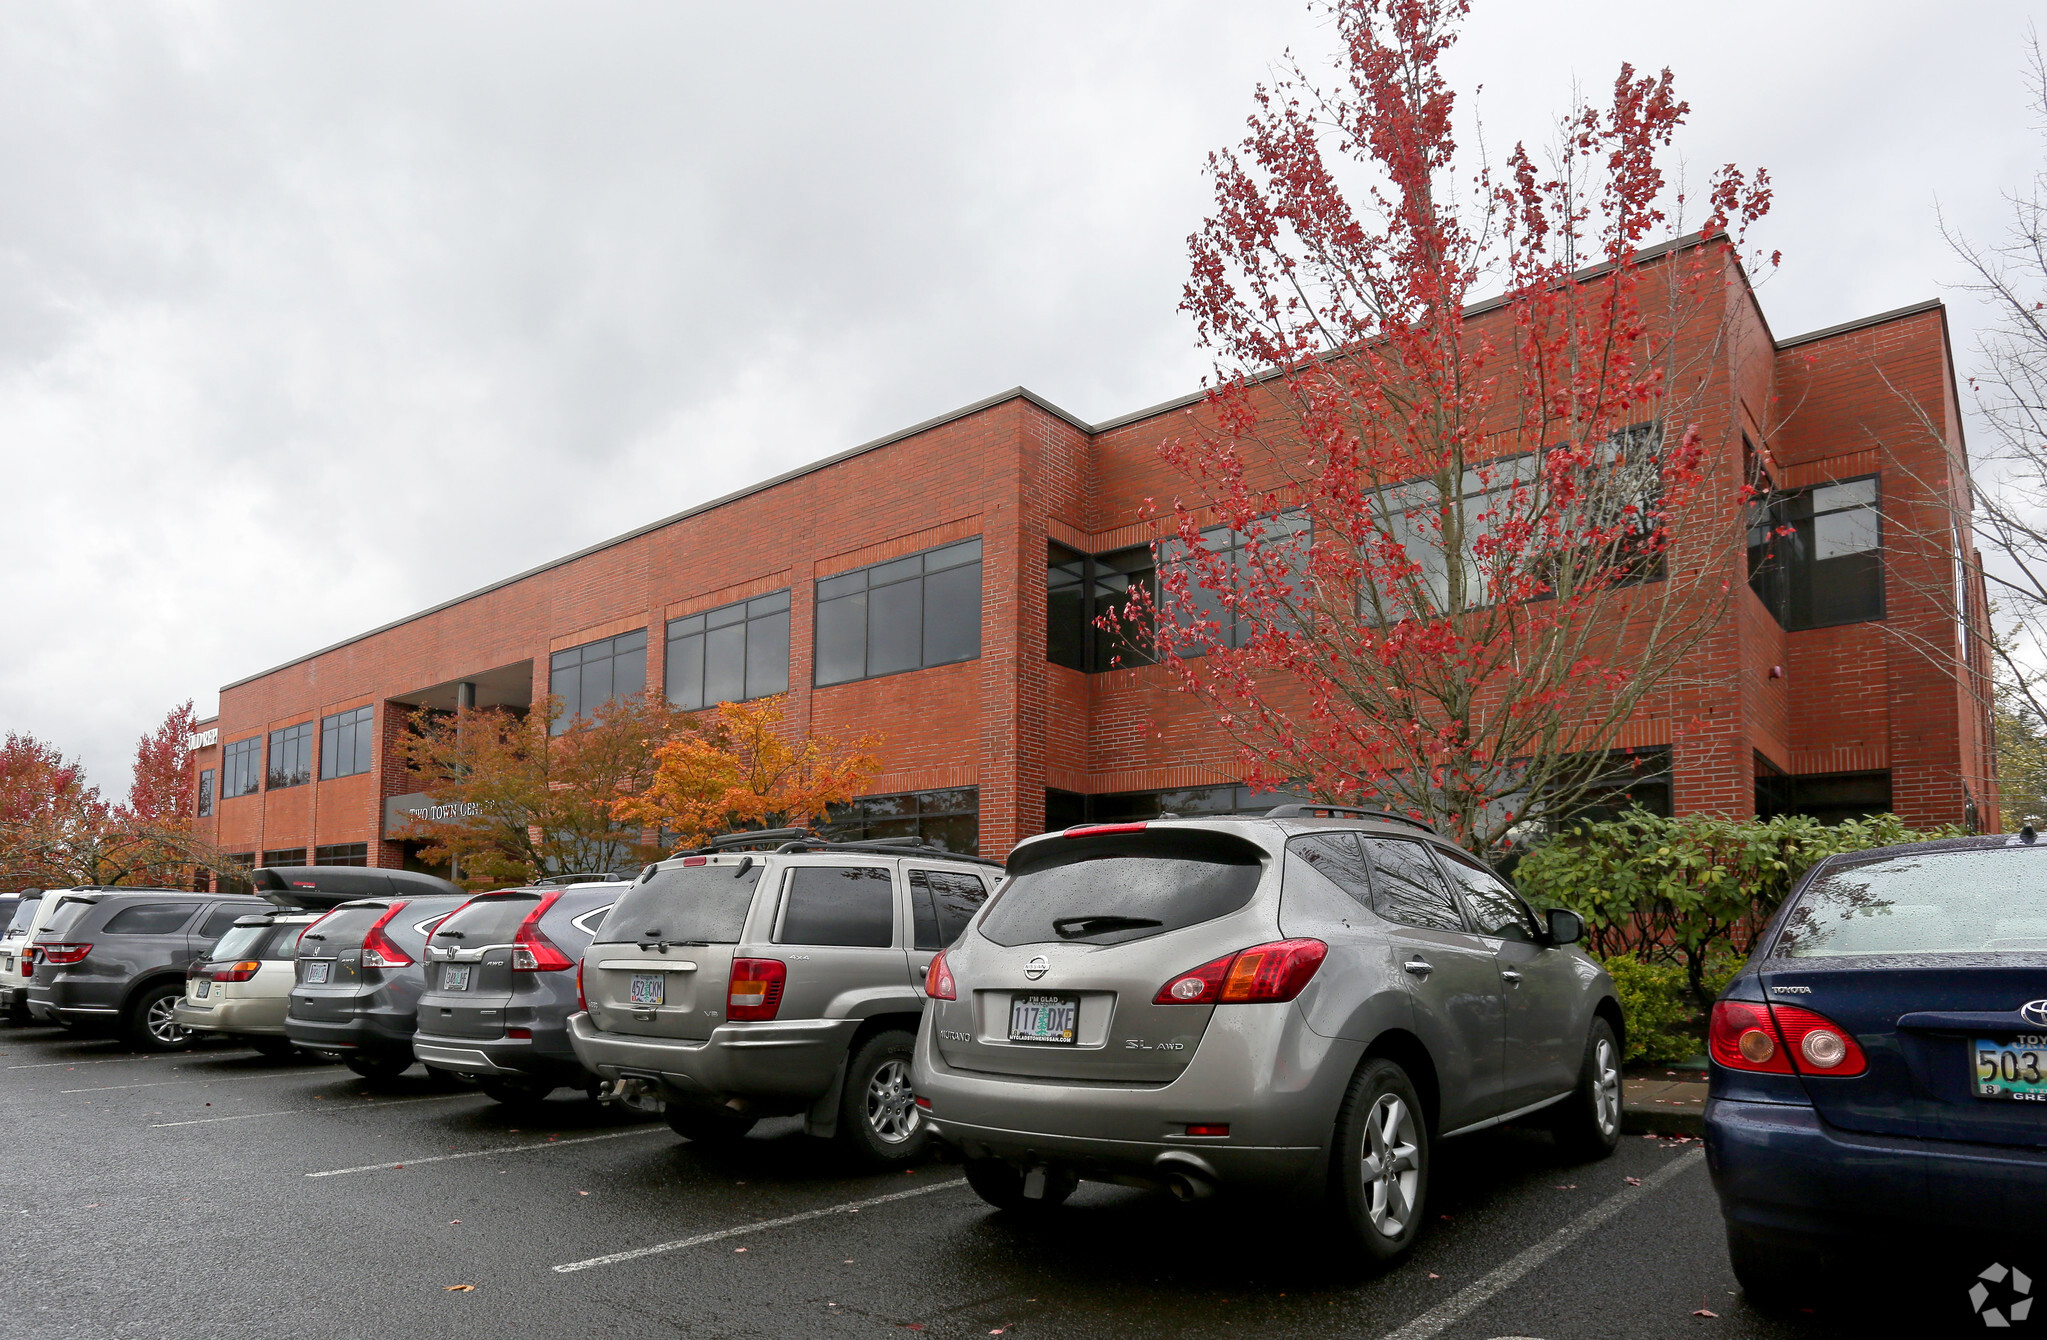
1040,965
2034,1012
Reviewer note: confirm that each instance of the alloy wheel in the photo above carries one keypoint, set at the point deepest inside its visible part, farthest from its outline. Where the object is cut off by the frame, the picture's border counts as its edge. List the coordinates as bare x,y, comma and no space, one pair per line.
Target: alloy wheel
891,1106
1391,1166
1606,1086
162,1023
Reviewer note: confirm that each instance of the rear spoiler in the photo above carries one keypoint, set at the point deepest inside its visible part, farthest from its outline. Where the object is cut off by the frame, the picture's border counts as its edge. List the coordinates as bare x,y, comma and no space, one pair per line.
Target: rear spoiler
323,886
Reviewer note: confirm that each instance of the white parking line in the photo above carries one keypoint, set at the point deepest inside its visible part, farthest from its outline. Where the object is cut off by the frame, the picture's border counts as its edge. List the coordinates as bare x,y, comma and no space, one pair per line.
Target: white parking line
111,1060
1474,1296
216,1079
485,1153
765,1224
300,1111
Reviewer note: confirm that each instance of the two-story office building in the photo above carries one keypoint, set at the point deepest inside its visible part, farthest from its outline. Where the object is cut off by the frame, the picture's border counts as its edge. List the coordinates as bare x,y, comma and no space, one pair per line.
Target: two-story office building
935,587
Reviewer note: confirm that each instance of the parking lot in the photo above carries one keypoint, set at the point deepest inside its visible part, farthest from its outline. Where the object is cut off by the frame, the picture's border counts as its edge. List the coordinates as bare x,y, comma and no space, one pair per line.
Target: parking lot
216,1193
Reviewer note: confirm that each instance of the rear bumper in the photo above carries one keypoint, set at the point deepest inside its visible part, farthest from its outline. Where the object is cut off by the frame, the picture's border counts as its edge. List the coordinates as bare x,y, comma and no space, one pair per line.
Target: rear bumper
1258,1069
261,1016
790,1059
1780,1170
503,1056
377,1027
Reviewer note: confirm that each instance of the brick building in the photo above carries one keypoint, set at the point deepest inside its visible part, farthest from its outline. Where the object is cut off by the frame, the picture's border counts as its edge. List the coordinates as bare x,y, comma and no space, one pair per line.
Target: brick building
933,586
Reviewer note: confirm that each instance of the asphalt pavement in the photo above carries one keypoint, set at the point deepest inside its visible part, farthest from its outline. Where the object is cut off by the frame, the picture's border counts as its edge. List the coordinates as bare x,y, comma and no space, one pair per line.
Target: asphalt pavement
214,1193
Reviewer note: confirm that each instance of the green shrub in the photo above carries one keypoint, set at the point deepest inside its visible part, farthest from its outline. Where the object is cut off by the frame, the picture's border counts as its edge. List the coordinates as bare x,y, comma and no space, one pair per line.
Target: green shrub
1658,1009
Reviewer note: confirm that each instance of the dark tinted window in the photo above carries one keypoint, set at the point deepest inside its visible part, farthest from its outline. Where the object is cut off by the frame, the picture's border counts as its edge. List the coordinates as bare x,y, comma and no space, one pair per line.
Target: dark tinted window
839,905
485,921
1945,902
205,792
285,856
949,819
900,615
341,929
343,853
1407,888
1338,859
68,914
241,767
705,903
1494,908
944,902
730,654
1122,887
1816,555
220,920
587,677
347,742
291,756
149,919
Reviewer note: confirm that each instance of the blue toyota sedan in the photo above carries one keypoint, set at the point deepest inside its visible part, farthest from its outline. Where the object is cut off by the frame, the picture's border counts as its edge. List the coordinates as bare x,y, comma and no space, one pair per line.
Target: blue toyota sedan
1879,1066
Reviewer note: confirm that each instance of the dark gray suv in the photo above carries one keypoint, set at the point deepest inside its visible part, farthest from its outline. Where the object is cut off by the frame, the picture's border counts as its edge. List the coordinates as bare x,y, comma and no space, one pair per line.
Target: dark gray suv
117,956
502,978
1305,1001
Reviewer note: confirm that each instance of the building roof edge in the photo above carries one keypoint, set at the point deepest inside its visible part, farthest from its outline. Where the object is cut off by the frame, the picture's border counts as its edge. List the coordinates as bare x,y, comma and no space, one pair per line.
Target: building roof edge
1859,323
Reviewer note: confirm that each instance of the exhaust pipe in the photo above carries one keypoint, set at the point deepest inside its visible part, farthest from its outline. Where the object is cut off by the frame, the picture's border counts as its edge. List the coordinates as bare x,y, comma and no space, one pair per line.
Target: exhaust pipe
1186,1175
633,1093
1188,1188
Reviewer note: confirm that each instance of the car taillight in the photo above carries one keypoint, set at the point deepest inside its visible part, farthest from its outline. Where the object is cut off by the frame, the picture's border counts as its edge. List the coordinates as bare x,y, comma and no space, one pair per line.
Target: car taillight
237,972
581,1003
1772,1039
755,992
938,983
377,949
62,954
532,951
1258,975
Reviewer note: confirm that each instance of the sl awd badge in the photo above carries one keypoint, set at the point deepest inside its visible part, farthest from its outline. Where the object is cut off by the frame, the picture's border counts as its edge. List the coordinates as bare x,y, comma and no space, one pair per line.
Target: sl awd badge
1037,967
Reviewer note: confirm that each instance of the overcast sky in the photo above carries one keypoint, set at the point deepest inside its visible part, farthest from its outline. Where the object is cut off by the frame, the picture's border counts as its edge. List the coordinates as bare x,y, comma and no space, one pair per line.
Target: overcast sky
313,315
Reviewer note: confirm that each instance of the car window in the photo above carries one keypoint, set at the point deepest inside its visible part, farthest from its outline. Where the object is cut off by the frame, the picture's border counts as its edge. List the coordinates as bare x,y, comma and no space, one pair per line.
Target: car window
1947,902
240,942
1115,888
23,915
702,904
1407,887
1495,909
148,919
283,942
485,921
221,919
1338,859
943,903
341,929
67,914
850,905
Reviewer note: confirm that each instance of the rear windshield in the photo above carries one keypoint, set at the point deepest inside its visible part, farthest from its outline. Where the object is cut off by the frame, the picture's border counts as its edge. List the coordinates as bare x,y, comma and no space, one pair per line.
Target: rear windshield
486,921
699,904
1950,902
1105,891
239,943
23,915
344,927
66,916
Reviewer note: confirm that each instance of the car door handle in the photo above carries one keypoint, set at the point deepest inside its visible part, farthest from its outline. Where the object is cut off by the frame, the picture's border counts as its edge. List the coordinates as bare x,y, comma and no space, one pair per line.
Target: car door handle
1513,978
1420,967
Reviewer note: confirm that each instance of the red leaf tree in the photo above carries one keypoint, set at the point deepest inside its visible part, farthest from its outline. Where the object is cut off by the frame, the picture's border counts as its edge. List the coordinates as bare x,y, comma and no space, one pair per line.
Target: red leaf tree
1437,555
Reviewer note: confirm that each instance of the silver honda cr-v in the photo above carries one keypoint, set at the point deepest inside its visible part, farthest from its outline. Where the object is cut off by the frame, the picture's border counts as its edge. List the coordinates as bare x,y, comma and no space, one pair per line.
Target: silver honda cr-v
1304,1000
735,985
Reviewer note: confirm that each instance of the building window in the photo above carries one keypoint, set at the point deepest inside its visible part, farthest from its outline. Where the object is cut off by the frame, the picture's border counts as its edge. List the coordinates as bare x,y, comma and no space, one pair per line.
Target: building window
285,856
1830,797
347,742
205,792
587,677
1284,540
730,654
1079,590
231,879
241,765
1063,809
345,853
948,819
291,756
906,614
1815,556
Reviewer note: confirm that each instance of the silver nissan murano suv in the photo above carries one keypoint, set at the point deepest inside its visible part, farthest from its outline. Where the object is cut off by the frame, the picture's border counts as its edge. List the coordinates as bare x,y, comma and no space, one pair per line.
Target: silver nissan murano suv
1303,1001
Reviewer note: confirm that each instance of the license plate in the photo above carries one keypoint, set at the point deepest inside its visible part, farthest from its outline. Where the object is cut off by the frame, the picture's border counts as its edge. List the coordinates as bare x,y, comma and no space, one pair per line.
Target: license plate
648,990
201,988
2010,1072
455,977
1043,1018
317,973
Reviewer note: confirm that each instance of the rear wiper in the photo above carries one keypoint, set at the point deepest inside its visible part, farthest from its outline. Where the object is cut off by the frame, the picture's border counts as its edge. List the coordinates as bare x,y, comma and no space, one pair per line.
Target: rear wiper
447,935
663,945
1070,927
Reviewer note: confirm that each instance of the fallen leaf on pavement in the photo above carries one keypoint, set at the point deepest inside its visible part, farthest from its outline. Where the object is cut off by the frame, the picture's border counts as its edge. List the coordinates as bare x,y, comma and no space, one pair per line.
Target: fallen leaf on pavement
1634,1181
461,1288
739,1249
1567,1186
582,1193
1434,1276
454,1221
913,1325
1703,1312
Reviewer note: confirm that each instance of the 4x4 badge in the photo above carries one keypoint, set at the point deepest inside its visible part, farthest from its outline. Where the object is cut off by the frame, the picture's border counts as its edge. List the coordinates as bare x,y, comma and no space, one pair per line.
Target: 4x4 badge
2034,1012
1041,965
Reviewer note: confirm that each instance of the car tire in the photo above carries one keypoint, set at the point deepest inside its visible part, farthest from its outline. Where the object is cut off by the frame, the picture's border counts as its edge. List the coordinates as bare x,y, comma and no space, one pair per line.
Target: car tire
1587,1125
1774,1276
275,1049
375,1065
708,1123
880,1123
515,1092
1002,1185
149,1025
1379,1167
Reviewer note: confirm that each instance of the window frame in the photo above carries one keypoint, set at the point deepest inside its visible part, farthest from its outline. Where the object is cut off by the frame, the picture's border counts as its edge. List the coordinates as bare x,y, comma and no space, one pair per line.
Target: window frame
579,709
297,739
268,864
203,805
675,633
1768,514
788,893
821,603
243,760
1097,653
357,726
330,854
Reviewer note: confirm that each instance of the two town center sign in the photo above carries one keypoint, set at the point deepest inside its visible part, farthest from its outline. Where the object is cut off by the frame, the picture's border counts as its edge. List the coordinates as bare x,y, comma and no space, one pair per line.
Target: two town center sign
401,811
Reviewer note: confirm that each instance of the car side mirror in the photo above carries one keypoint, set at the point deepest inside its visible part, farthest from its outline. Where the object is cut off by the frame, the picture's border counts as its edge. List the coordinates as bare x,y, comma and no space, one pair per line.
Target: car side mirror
1565,927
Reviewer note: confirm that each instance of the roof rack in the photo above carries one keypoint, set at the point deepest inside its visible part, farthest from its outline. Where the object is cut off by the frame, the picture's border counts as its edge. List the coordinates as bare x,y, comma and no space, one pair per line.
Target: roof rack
584,877
1312,811
795,840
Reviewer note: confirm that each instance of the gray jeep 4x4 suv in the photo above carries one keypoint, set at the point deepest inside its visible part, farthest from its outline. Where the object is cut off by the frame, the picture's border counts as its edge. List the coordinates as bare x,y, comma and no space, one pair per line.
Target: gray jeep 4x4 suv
742,984
1305,1000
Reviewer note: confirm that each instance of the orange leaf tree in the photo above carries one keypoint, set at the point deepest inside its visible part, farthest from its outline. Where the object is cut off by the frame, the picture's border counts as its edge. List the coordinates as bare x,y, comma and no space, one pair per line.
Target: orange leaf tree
741,769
